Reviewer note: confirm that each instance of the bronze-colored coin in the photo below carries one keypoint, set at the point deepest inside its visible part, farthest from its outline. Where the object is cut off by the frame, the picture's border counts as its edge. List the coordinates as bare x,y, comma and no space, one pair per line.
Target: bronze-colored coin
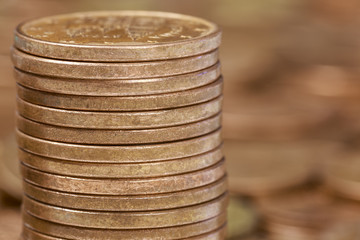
118,136
342,175
127,203
125,170
128,220
116,70
218,234
120,120
129,87
129,103
120,154
72,232
124,186
257,169
117,36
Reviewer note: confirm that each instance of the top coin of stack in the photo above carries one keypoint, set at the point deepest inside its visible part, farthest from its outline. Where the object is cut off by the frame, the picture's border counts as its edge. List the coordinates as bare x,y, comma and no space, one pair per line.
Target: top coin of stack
119,126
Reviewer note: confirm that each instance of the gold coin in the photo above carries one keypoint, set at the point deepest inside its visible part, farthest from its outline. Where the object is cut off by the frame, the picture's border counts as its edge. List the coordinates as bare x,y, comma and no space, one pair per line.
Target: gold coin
120,120
116,70
124,186
260,168
127,203
120,154
127,220
118,136
72,232
125,170
129,87
117,36
129,103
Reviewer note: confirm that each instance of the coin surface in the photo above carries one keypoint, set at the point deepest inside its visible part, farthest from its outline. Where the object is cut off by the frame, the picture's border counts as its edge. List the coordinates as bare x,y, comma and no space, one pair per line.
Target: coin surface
116,70
125,170
130,103
124,186
257,169
72,232
119,120
130,220
218,234
118,136
120,154
117,36
129,87
127,203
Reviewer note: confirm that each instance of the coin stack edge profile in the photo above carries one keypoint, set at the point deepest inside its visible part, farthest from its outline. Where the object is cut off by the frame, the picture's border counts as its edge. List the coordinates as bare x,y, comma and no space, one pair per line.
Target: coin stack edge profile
119,126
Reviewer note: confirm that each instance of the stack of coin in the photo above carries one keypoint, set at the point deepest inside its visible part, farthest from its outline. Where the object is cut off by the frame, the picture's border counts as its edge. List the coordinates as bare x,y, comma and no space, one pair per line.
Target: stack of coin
119,126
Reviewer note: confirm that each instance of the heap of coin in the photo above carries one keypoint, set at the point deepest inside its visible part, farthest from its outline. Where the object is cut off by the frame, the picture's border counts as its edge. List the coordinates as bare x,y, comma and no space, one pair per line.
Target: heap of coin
119,127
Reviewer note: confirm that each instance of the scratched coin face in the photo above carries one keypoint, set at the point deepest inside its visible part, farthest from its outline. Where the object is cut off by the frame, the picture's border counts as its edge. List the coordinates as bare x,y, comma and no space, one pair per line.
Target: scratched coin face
168,35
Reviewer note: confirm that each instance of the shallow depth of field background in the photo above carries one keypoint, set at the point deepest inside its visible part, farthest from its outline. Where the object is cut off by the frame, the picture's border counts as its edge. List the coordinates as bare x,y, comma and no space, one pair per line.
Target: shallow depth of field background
292,81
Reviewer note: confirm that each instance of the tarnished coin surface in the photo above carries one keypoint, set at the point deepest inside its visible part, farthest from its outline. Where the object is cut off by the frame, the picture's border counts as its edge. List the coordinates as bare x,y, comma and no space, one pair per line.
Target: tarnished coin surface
130,103
127,203
120,154
124,170
119,120
129,87
72,232
117,36
128,220
118,136
124,186
116,70
218,234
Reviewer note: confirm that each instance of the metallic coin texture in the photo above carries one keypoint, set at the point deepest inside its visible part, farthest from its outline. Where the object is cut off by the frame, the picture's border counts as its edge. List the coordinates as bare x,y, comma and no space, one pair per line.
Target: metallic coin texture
117,70
130,87
120,154
124,220
72,232
127,203
118,136
133,103
119,120
124,186
117,36
124,170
